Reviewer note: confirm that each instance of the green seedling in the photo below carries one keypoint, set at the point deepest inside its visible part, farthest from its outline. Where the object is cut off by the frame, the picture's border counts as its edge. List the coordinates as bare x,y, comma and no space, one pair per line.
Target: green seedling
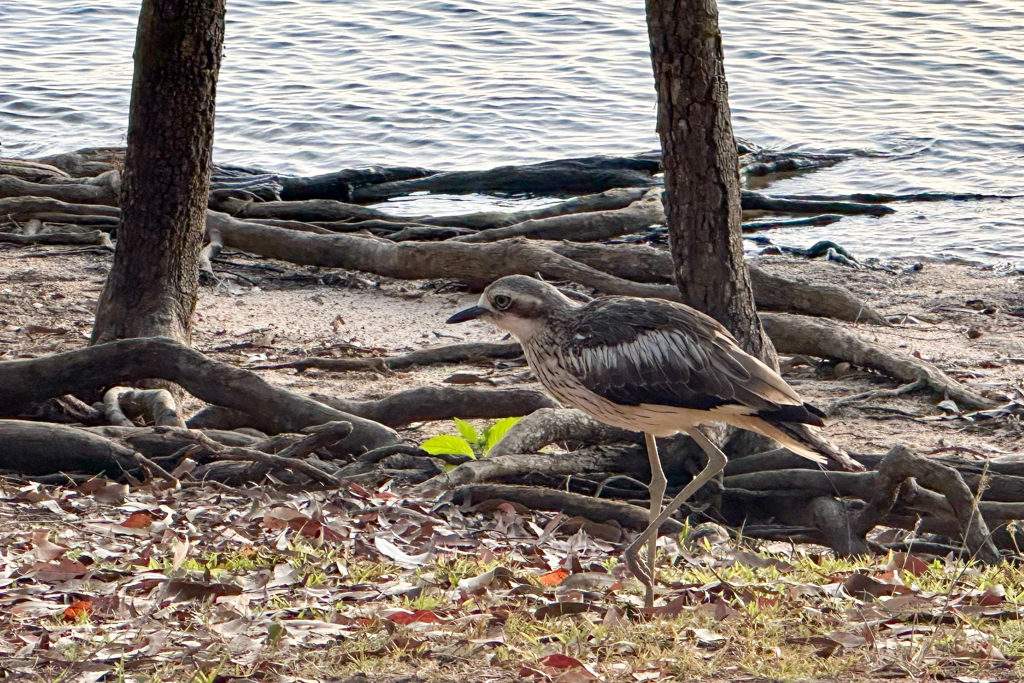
469,441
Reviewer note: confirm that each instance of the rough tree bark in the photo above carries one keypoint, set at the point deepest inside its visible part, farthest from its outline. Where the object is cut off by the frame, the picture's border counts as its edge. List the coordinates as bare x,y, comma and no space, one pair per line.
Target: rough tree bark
702,182
152,287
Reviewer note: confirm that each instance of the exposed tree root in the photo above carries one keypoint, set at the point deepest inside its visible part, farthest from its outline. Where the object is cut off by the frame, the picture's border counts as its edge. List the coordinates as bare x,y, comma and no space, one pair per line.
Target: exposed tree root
799,335
641,263
428,233
520,467
898,467
102,190
761,162
273,410
886,197
557,178
757,201
774,293
759,225
60,409
916,385
609,200
34,448
220,418
309,210
378,454
48,209
573,504
88,161
158,443
946,506
831,516
93,237
452,353
582,227
443,403
158,405
474,264
260,462
32,171
557,425
339,184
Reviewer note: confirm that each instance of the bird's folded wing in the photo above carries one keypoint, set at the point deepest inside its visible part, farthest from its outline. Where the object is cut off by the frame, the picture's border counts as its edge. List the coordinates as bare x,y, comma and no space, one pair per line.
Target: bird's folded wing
665,354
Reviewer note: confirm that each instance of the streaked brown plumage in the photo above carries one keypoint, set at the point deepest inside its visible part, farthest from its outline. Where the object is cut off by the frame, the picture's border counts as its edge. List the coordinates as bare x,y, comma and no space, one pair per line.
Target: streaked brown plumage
653,366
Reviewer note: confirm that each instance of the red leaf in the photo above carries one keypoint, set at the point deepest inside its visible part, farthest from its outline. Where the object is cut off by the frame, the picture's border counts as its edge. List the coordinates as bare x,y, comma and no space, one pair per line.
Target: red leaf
993,596
863,587
423,616
138,520
359,491
909,563
558,661
307,527
77,609
554,578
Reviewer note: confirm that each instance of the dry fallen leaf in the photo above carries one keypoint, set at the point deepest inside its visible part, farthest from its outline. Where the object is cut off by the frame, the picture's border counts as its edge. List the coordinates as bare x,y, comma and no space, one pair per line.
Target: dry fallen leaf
561,609
424,616
78,609
389,549
179,551
554,578
63,570
43,549
908,562
181,590
559,661
706,638
138,520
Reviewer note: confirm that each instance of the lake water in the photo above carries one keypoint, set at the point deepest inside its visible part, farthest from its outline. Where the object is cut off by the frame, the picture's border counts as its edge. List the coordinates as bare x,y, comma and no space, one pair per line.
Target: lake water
935,87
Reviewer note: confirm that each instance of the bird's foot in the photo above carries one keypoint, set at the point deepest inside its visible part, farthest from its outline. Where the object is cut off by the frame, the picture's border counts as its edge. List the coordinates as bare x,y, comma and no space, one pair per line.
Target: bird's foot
639,569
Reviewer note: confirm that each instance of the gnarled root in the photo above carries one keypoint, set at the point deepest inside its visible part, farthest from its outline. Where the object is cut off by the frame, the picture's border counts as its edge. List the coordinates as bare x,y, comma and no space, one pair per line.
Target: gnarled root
273,409
799,335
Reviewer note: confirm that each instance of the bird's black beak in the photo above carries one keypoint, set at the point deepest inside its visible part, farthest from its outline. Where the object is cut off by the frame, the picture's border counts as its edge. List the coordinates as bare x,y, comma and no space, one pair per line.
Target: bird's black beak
471,313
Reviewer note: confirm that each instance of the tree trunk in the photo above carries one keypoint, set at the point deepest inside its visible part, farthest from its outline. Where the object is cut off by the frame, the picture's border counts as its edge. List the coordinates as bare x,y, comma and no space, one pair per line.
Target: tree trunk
152,287
702,183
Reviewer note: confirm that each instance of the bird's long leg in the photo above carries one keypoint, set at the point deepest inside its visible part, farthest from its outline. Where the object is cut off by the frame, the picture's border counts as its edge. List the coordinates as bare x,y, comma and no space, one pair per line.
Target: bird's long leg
657,491
716,463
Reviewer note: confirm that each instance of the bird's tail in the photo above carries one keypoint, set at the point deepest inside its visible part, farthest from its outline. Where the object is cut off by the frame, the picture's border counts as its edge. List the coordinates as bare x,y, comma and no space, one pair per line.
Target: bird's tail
803,439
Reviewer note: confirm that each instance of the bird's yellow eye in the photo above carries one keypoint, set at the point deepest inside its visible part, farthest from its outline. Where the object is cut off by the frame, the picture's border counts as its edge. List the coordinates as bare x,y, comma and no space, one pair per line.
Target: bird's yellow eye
501,301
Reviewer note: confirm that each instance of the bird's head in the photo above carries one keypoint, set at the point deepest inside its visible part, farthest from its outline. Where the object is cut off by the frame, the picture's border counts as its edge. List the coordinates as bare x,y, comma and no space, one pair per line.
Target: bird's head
518,304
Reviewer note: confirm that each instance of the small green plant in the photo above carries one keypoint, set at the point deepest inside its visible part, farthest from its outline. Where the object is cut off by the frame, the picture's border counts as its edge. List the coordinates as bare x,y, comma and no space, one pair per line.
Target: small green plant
469,441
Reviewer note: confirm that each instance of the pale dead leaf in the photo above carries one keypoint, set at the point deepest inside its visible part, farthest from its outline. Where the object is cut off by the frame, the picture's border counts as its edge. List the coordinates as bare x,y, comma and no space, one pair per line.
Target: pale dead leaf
179,552
392,551
707,639
476,584
43,550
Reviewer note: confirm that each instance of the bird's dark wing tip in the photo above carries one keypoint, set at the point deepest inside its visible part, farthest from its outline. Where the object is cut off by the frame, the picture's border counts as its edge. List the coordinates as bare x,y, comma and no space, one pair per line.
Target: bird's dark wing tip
802,414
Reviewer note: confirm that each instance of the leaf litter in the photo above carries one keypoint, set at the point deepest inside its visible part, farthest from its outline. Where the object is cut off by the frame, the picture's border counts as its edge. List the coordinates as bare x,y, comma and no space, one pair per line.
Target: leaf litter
107,582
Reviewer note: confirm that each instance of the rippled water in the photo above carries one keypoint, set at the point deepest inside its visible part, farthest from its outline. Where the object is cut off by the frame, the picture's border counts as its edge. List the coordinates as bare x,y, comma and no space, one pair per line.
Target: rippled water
314,85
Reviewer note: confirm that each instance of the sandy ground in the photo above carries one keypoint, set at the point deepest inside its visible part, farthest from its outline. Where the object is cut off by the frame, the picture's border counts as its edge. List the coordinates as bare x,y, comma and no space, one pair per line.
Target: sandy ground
967,320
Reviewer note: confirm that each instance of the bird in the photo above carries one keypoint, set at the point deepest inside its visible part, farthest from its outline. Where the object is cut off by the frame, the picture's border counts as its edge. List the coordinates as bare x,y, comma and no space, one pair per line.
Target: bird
653,366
